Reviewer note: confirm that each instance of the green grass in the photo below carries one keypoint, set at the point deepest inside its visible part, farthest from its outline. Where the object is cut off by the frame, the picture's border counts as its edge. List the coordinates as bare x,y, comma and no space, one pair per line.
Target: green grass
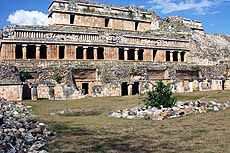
220,96
98,133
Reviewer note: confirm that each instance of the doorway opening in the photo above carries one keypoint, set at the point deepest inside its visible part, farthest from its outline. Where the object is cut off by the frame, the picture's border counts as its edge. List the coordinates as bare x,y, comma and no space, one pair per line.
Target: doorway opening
121,54
85,88
131,55
100,53
154,54
182,56
26,93
141,54
168,56
43,52
223,84
61,52
18,54
106,22
90,54
124,89
135,88
136,25
79,53
31,52
175,56
72,18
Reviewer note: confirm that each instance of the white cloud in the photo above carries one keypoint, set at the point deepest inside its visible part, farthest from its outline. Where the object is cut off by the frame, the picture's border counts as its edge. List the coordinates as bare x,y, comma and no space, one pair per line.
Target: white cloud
199,6
22,17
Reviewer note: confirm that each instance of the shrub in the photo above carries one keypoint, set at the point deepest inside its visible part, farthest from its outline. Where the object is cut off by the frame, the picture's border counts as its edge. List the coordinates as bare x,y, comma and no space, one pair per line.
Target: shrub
57,77
131,15
25,76
161,96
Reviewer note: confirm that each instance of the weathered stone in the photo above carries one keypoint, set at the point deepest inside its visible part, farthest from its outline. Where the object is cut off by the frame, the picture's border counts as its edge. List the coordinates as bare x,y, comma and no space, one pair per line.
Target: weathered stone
18,133
182,109
93,49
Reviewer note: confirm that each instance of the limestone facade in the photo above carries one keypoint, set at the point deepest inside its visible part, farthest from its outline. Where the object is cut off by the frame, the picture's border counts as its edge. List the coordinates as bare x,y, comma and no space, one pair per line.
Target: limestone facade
11,92
101,50
91,14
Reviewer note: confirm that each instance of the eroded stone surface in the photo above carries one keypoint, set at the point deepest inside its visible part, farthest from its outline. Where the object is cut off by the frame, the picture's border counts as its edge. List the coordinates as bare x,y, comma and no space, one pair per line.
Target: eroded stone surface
181,109
18,133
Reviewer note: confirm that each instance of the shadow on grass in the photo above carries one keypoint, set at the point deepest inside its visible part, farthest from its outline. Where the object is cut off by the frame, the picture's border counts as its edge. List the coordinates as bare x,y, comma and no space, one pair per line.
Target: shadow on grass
77,140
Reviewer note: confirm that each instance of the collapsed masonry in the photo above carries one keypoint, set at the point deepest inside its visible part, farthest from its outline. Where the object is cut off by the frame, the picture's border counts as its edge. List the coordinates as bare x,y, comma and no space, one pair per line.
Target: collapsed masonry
102,50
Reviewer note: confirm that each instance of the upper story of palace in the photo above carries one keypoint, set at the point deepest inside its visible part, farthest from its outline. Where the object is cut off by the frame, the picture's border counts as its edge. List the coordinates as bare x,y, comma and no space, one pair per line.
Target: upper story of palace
81,29
90,14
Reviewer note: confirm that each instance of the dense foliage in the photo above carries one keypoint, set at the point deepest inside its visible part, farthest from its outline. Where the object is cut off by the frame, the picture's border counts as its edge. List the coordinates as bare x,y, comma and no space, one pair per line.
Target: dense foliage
24,75
57,77
161,96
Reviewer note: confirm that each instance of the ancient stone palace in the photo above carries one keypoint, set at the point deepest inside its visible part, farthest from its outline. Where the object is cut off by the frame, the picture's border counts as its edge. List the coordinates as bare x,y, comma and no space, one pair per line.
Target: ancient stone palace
93,49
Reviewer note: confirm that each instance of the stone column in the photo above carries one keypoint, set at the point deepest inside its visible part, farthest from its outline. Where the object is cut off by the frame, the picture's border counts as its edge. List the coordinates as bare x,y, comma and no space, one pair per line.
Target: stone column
34,93
24,50
14,51
179,56
136,54
130,89
126,54
185,56
38,51
85,52
95,53
171,56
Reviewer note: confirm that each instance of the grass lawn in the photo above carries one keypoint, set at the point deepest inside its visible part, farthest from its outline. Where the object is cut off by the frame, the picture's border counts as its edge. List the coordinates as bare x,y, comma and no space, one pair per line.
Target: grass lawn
97,133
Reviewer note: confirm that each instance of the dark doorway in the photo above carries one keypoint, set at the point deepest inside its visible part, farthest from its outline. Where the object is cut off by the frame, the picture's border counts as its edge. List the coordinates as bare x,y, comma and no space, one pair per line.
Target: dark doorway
121,54
182,56
26,93
61,52
154,54
223,84
140,55
175,56
124,89
106,22
18,53
85,88
167,56
43,52
31,52
136,25
72,18
131,54
90,54
79,53
135,88
100,53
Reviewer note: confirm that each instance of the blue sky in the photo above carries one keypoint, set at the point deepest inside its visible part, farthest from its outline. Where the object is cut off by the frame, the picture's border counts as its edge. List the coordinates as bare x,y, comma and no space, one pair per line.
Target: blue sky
213,13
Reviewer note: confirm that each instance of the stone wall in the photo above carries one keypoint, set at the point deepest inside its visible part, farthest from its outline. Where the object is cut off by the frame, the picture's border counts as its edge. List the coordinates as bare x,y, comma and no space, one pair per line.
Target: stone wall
43,91
93,14
118,78
11,92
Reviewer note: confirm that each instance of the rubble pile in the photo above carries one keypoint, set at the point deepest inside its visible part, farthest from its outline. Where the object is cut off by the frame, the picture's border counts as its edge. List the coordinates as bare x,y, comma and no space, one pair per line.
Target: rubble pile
18,133
9,74
181,109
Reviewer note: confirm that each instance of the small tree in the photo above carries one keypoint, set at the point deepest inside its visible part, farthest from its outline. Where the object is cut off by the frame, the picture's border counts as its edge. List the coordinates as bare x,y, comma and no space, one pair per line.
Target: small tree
161,96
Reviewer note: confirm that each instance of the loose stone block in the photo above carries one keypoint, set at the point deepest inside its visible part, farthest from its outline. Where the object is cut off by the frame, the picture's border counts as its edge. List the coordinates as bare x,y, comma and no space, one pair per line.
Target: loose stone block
11,92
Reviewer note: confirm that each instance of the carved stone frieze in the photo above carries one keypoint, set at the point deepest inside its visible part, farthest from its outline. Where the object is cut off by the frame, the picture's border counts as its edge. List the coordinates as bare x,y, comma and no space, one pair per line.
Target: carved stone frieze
7,32
112,38
64,37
